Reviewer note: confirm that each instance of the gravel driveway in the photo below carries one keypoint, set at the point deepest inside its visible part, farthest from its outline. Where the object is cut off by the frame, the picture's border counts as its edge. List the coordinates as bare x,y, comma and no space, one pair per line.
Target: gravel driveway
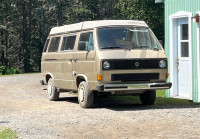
25,107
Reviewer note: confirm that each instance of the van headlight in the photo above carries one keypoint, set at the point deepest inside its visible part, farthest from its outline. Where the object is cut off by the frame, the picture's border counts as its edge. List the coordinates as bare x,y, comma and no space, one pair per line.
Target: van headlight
162,64
106,65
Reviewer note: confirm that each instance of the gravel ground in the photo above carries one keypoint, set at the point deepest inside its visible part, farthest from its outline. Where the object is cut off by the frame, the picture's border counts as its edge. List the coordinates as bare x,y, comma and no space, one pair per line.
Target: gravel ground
25,107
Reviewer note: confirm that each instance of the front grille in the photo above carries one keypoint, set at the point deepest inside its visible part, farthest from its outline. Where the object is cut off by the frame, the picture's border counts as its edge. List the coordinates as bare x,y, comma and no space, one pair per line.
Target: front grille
135,77
134,64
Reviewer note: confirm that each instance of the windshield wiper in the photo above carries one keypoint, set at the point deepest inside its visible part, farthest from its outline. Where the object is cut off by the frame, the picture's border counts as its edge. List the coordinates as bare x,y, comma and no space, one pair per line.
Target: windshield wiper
147,47
111,47
127,48
144,47
156,49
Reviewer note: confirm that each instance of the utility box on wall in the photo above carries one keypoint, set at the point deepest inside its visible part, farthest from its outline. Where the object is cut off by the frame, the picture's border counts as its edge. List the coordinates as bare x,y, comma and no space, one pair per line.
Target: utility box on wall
182,42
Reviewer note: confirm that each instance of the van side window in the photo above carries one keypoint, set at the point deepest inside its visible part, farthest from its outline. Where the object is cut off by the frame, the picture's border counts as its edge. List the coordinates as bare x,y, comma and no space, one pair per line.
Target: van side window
68,43
86,42
46,45
54,44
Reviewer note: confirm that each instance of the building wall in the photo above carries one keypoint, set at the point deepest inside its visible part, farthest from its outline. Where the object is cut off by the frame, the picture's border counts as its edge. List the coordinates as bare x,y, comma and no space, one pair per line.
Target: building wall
171,7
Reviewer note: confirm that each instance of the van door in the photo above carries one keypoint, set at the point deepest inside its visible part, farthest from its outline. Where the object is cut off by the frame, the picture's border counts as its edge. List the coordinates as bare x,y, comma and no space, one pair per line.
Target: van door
84,57
49,62
65,79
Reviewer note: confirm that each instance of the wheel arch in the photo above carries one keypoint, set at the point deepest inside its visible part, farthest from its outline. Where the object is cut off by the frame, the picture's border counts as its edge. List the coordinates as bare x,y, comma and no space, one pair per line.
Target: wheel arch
48,76
80,78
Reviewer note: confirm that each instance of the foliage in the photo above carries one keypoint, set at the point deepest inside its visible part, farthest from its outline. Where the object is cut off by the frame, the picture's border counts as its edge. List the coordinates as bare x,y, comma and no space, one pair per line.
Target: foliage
7,71
8,134
25,24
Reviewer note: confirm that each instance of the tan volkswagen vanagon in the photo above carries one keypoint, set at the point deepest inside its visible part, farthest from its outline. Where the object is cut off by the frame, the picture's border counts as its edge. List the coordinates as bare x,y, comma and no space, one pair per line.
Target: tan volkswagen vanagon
104,57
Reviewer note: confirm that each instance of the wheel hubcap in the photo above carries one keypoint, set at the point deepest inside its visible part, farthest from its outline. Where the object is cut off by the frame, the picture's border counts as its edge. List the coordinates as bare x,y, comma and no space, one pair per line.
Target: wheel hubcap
49,90
81,94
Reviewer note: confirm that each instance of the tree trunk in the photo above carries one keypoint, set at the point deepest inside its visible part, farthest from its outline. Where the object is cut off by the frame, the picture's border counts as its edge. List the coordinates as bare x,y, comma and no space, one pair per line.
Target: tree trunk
60,15
6,38
25,50
2,57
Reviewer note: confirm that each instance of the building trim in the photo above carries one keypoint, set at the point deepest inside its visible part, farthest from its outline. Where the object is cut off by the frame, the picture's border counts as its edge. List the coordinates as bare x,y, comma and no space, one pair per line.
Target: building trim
198,57
178,15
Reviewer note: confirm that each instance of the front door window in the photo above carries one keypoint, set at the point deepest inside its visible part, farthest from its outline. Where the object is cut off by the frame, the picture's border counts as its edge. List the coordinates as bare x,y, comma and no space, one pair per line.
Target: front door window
86,41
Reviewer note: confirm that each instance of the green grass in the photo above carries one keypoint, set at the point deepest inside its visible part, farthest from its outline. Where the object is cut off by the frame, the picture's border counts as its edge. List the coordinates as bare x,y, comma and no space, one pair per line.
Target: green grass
160,99
7,133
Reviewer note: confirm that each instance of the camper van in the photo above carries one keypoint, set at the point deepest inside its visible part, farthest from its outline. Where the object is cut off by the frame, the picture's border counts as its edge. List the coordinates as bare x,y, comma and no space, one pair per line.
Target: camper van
110,57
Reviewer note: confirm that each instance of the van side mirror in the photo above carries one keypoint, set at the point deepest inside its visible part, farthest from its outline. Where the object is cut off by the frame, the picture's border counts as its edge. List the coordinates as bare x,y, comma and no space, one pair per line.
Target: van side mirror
81,45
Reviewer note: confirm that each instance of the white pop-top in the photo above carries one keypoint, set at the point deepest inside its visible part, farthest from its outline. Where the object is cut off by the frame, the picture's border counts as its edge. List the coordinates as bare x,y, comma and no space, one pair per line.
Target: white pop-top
95,24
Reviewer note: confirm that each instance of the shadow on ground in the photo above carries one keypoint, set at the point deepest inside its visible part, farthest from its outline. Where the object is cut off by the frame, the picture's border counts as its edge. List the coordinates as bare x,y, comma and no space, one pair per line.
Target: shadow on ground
126,103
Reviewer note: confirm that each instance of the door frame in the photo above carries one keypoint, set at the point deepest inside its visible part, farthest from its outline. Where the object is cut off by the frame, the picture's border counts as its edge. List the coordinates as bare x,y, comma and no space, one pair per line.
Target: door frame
198,57
173,51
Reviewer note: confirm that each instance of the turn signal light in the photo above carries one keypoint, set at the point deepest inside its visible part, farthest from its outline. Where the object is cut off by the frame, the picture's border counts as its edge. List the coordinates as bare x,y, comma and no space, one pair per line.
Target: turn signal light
99,77
43,75
167,75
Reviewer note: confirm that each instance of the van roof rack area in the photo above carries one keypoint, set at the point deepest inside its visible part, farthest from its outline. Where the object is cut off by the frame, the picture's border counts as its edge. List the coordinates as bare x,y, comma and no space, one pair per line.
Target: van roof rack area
86,25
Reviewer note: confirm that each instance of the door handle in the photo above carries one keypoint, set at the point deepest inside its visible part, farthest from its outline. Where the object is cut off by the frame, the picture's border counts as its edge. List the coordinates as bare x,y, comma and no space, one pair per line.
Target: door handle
75,60
177,61
177,64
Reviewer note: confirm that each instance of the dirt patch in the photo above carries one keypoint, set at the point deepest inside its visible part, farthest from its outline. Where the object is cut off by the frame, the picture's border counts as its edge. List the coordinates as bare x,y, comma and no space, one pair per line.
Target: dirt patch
25,107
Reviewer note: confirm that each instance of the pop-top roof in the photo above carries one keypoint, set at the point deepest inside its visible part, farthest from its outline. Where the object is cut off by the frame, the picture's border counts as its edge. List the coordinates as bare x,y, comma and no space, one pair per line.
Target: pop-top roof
95,24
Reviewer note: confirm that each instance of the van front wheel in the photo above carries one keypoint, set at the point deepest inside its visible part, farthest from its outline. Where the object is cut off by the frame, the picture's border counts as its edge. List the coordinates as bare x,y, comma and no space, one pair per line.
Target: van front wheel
85,95
52,91
148,97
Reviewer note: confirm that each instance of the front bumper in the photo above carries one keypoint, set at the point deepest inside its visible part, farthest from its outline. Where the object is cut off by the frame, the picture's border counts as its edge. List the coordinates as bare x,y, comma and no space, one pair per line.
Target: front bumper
130,87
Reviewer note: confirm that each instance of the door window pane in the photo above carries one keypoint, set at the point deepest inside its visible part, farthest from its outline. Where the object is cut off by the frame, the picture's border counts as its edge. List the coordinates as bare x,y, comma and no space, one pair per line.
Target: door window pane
86,39
68,43
184,49
184,31
54,44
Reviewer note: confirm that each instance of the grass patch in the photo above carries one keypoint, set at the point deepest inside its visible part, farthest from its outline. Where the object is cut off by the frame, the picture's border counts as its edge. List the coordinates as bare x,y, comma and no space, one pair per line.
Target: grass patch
7,133
8,75
160,99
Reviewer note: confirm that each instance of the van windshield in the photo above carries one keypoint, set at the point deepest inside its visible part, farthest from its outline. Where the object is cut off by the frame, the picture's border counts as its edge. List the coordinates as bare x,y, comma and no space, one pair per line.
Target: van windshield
127,38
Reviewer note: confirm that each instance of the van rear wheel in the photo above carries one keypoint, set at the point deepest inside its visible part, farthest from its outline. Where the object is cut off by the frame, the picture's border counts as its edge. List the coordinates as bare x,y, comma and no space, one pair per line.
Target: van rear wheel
148,97
52,91
85,95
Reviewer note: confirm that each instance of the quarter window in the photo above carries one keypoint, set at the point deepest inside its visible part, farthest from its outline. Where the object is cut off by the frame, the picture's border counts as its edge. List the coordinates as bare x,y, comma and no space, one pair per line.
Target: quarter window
86,41
54,44
45,46
68,43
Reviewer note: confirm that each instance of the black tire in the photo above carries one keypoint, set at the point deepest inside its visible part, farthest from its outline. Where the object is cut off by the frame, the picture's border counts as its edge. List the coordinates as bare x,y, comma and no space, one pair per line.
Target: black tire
85,95
148,97
52,91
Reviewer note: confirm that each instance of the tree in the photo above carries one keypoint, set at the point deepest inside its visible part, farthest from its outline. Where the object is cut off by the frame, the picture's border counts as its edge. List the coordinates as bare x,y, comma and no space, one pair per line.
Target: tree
145,10
25,24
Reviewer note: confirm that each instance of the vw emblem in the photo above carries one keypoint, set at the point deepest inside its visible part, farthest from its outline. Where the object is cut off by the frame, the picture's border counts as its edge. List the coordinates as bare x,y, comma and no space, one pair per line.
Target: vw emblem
137,64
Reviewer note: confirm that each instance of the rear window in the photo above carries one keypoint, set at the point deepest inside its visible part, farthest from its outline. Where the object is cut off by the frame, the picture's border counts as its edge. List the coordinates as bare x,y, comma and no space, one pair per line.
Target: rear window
68,43
54,44
45,46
